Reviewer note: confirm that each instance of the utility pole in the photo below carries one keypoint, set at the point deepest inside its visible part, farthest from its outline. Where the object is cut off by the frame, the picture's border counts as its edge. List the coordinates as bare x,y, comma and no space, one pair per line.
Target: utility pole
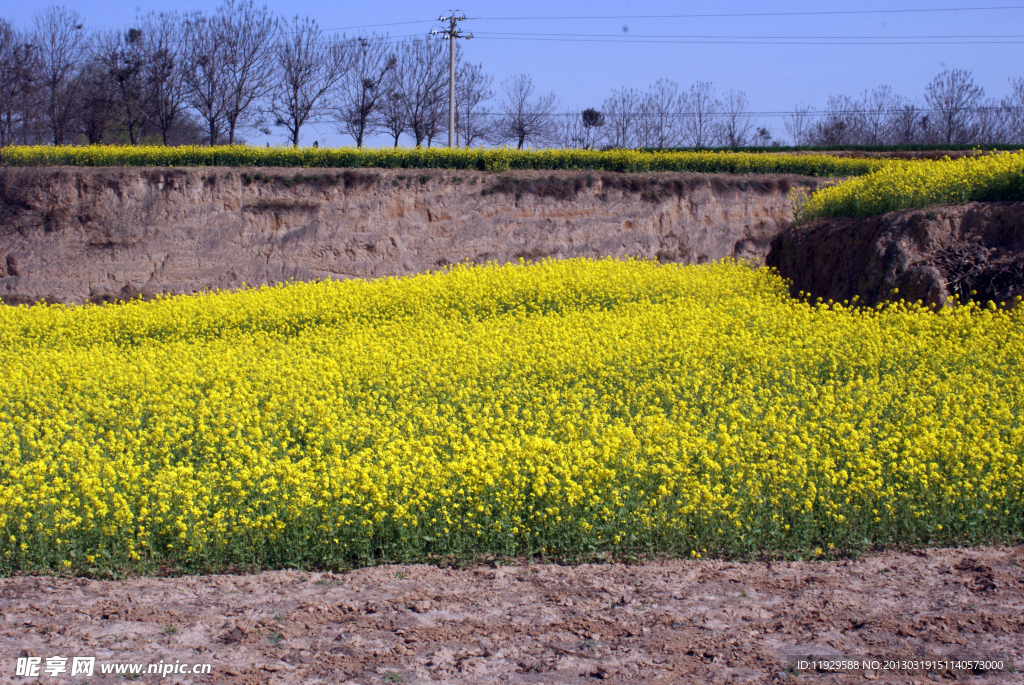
451,32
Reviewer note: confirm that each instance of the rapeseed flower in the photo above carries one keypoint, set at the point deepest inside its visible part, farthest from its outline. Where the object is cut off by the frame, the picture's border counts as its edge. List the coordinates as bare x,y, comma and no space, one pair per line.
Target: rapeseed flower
564,408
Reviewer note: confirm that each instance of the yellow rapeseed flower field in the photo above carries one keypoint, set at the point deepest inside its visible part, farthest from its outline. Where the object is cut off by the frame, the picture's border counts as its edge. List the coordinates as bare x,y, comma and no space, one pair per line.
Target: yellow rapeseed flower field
567,408
482,159
916,184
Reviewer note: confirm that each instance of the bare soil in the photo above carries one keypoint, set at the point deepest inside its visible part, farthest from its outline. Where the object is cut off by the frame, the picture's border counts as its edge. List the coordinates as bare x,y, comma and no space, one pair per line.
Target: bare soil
670,622
972,251
75,234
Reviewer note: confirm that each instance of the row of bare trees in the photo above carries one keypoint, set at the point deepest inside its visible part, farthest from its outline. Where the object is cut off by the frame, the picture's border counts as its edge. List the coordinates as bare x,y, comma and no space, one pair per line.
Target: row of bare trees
664,116
164,78
955,111
208,78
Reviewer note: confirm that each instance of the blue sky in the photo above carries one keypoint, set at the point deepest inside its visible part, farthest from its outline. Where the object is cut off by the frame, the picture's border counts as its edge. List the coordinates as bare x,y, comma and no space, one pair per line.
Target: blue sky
582,74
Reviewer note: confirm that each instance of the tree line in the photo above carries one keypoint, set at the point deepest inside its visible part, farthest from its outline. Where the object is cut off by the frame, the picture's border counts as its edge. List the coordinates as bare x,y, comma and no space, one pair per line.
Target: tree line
954,111
209,78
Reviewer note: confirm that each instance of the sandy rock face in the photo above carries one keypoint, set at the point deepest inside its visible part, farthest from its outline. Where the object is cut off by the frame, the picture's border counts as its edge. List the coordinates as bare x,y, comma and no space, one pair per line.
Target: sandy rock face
79,234
922,254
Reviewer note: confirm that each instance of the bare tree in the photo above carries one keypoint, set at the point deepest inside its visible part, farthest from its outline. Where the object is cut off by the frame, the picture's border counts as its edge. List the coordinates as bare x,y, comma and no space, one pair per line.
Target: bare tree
8,79
366,82
435,124
907,124
661,115
952,96
98,105
701,113
421,85
123,57
19,85
186,130
204,73
840,123
524,119
799,124
581,130
928,131
62,43
165,92
592,121
248,34
735,125
472,87
1014,105
876,117
392,114
622,117
569,131
991,122
306,68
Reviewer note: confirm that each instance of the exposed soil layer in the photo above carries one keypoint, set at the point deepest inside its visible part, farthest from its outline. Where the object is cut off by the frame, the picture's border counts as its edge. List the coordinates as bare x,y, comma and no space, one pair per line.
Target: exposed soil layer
83,234
673,622
973,251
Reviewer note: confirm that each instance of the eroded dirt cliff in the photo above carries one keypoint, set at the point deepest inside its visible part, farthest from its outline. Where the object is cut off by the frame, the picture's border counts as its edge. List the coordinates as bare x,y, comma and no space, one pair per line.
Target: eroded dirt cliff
964,252
79,234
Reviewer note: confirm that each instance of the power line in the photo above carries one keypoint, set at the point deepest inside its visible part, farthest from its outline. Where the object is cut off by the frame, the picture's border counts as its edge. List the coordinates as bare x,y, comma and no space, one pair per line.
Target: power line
702,36
718,40
755,14
376,26
752,42
682,16
698,16
390,40
814,114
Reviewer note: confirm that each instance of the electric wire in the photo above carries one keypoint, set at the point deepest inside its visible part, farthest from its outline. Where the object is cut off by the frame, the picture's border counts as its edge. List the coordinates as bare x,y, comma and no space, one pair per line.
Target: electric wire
739,40
756,14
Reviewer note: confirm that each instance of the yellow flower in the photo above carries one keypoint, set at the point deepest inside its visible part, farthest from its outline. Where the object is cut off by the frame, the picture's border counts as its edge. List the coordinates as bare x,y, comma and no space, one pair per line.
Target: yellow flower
584,406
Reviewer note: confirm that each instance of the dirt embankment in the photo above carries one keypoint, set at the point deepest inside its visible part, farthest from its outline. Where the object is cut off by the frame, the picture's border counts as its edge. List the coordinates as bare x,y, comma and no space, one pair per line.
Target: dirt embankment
78,234
674,622
973,251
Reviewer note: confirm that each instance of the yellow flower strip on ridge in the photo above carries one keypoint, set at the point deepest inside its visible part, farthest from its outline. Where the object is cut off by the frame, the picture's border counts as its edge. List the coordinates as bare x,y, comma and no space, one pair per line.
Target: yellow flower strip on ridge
564,408
482,159
907,185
